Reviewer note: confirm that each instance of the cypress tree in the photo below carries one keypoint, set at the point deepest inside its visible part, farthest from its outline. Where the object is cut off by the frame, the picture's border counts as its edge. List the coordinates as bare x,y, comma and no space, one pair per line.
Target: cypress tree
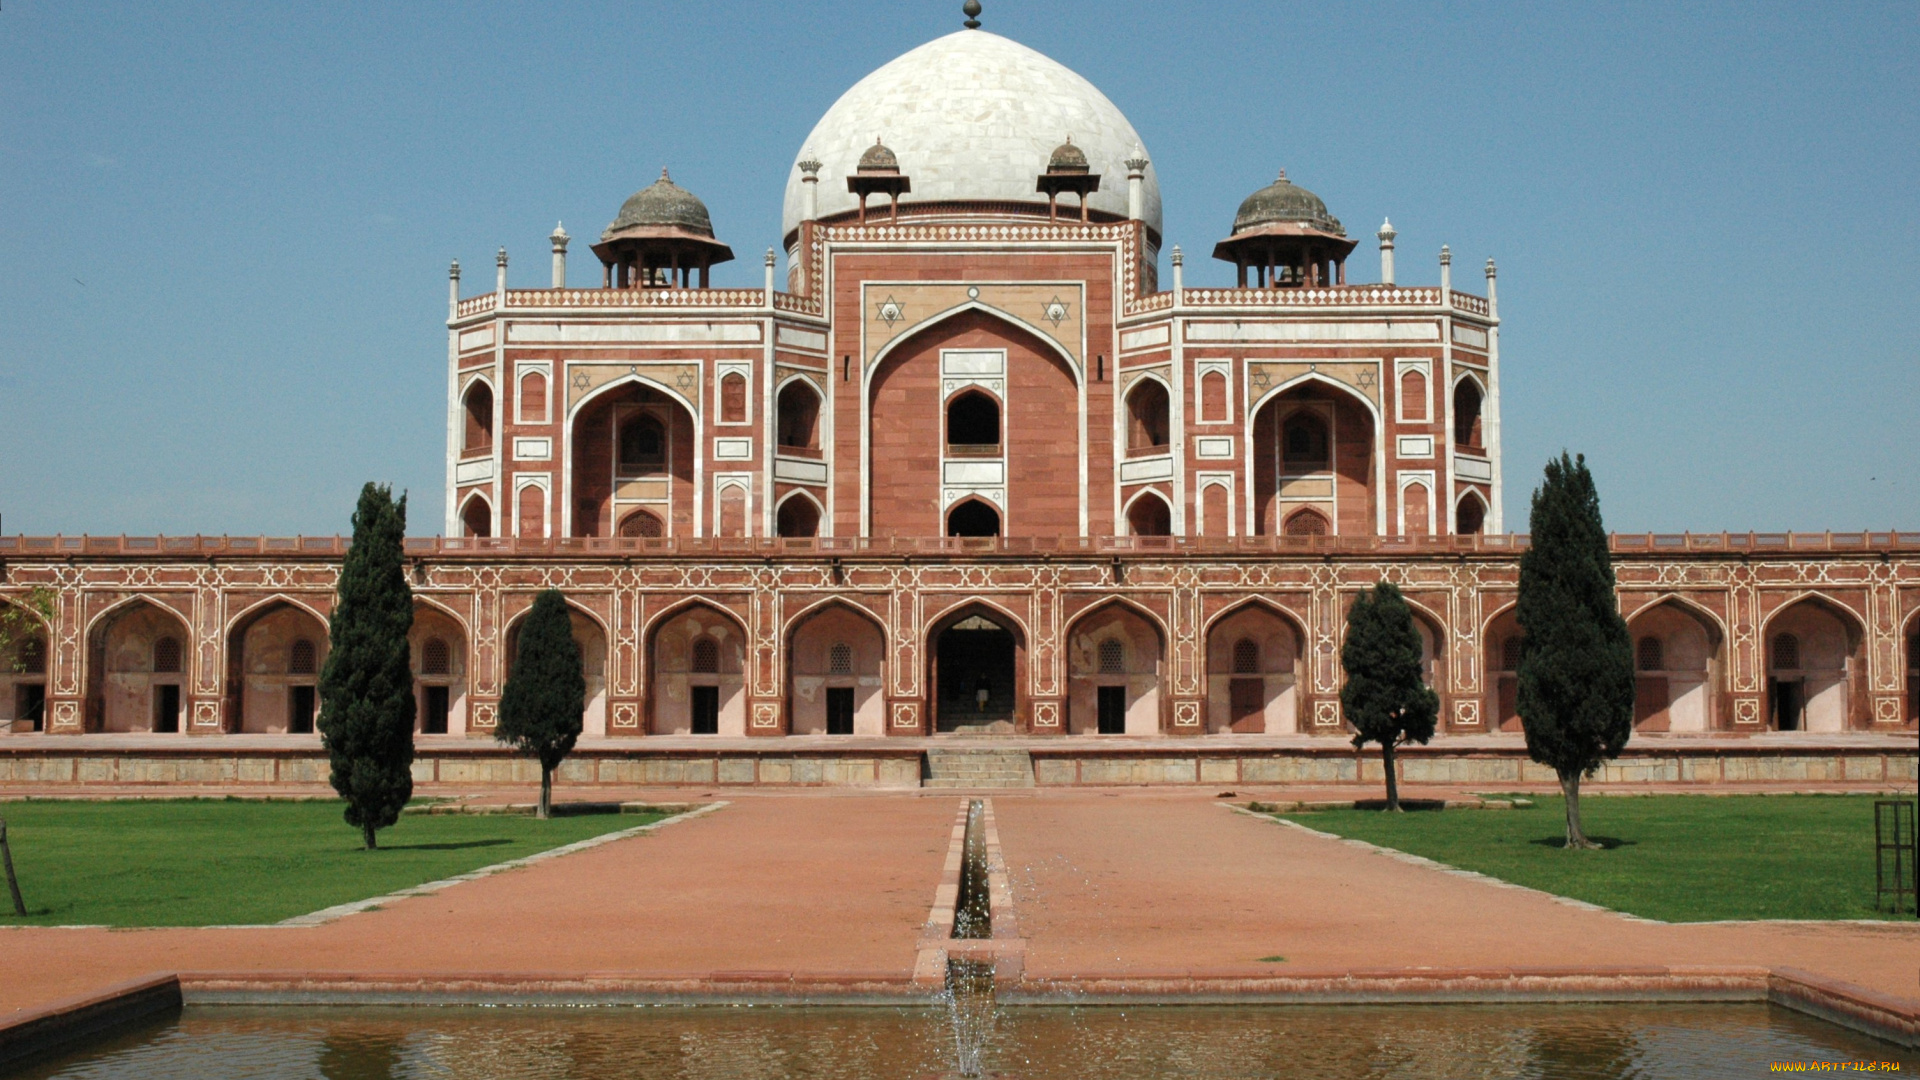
366,688
545,696
1576,659
1386,697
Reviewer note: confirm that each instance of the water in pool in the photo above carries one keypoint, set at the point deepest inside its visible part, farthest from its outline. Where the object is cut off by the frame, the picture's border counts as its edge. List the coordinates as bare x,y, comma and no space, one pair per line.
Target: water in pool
1566,1042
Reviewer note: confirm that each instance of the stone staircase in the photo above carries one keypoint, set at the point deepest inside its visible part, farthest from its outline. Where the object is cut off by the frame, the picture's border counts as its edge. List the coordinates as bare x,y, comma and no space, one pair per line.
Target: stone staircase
978,768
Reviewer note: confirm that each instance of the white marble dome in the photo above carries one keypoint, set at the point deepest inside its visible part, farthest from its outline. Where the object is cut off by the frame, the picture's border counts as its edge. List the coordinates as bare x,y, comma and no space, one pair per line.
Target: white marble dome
972,116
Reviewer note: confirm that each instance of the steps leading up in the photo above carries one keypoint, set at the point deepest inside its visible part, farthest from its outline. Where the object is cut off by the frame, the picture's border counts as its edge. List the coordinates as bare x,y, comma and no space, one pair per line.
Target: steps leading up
978,768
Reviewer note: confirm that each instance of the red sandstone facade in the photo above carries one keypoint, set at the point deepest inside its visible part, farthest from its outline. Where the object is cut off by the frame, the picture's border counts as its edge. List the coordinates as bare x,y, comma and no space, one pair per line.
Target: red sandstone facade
970,467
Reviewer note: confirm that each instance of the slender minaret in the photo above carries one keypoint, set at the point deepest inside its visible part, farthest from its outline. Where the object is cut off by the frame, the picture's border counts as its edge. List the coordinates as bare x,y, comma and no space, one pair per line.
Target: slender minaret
1446,273
453,290
1137,183
1386,235
1179,274
809,187
559,239
500,276
769,286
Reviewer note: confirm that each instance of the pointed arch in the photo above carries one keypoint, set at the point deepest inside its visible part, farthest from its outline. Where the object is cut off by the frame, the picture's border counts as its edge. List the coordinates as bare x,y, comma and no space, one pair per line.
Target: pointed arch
126,688
477,525
478,401
1814,682
975,517
825,698
977,677
799,411
798,514
682,698
584,502
1159,625
630,379
1148,403
1254,655
1149,513
1469,514
1295,622
1116,660
426,600
1058,350
265,693
1679,657
260,607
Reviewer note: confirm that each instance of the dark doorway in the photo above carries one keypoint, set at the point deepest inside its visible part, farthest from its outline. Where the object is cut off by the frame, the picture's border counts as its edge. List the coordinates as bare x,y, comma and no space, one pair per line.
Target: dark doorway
1113,710
974,676
1247,705
1788,703
973,518
839,710
166,708
439,703
706,710
300,700
30,706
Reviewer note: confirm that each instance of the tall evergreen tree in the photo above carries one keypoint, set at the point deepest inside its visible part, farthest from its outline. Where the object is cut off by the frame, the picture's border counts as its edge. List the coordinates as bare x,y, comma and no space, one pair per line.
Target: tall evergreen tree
1576,659
366,688
1386,697
546,694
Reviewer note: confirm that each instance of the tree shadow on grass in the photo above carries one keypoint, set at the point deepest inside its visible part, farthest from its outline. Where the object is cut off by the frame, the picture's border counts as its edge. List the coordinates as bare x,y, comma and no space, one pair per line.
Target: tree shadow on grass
461,845
1606,842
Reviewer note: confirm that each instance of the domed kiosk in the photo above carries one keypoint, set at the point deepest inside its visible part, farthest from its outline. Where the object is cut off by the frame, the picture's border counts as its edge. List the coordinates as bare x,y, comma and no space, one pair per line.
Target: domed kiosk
1284,234
661,237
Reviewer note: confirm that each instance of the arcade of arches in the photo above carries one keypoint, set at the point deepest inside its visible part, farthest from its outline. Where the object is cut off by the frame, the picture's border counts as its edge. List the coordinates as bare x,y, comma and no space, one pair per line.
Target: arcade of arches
859,658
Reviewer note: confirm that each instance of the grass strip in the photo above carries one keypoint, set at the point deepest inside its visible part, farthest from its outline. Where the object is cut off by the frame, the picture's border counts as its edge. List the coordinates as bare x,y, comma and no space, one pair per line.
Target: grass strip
1677,858
209,862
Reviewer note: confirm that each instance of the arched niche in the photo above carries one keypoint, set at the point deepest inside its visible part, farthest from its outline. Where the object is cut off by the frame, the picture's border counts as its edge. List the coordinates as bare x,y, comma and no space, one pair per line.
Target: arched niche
438,647
836,662
973,517
1313,449
1813,661
697,664
1470,515
274,656
476,407
798,516
797,423
476,517
23,674
1468,399
1115,673
1502,665
632,448
1677,669
973,423
1148,417
1149,515
592,641
1253,665
977,670
1040,421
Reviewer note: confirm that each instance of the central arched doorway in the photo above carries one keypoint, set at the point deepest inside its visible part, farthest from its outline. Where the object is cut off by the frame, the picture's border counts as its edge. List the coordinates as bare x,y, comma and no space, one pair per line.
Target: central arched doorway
976,672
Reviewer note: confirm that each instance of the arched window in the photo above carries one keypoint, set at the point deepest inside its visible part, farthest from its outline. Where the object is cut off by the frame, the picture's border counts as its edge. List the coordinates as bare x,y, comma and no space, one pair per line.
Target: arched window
643,442
706,657
799,422
1652,657
1510,654
479,410
840,659
1466,414
477,518
1413,395
1113,657
798,516
1149,516
435,657
1303,442
1246,657
1471,516
533,397
301,658
166,655
733,399
1306,523
1147,427
973,518
973,421
1786,652
641,523
1213,397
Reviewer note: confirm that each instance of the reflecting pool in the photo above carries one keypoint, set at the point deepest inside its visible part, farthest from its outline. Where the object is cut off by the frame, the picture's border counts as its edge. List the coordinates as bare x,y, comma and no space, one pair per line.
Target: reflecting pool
1551,1042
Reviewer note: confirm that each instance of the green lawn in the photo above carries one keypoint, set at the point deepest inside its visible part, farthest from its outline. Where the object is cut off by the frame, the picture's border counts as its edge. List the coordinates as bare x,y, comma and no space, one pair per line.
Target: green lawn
1679,858
208,862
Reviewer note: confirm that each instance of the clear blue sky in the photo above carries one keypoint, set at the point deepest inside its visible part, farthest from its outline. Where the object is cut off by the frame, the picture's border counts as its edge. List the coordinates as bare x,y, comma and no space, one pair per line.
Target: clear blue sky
224,227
